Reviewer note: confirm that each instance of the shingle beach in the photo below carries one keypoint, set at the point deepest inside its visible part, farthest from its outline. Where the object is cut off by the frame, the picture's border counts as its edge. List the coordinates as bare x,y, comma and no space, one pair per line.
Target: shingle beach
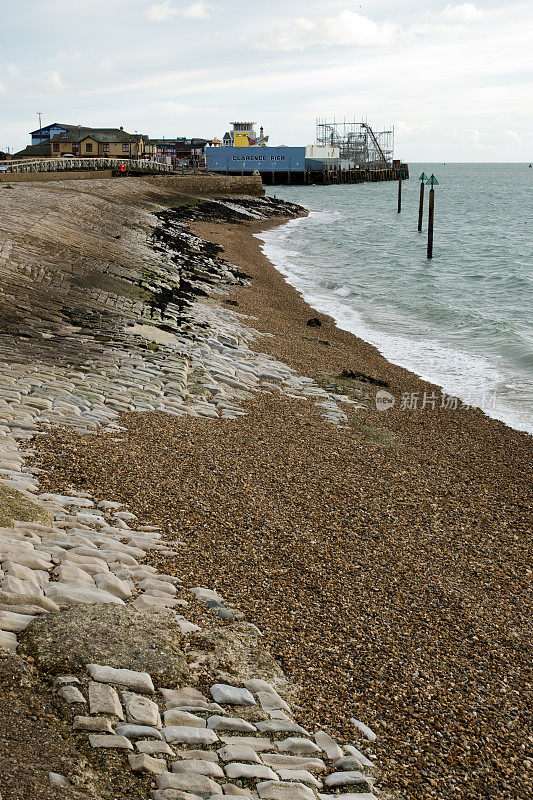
386,563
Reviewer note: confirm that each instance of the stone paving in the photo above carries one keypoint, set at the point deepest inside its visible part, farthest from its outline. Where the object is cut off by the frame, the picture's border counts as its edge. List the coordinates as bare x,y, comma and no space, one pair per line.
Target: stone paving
80,366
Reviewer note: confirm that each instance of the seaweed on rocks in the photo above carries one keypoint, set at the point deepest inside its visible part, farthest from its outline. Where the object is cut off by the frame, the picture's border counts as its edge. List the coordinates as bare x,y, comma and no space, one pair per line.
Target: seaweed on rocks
235,210
194,267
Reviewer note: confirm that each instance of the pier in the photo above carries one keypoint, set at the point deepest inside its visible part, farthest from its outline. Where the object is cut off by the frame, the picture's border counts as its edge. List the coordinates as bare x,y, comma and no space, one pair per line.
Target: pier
329,176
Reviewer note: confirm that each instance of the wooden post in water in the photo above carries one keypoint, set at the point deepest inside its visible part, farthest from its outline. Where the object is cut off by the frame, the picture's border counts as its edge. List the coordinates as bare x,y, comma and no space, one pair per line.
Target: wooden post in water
400,191
422,178
432,182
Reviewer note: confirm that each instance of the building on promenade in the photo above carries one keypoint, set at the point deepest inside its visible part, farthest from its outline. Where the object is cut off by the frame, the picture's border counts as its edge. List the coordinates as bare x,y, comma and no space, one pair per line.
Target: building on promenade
180,151
77,140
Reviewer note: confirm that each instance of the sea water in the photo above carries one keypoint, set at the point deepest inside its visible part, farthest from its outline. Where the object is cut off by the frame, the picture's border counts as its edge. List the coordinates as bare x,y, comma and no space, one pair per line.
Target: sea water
461,320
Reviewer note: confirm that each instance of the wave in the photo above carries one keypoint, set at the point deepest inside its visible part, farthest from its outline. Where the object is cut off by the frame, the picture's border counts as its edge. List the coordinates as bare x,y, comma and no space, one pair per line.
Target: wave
480,380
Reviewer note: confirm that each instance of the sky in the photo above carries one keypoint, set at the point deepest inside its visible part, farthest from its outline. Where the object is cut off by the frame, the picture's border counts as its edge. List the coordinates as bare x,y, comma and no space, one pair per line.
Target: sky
455,79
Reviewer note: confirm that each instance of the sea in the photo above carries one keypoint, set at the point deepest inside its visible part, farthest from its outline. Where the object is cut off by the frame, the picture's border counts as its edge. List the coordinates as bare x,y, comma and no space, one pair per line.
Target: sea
461,320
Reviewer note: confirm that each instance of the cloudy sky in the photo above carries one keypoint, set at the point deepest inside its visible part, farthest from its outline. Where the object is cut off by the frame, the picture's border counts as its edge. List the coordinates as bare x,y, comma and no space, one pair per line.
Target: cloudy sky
454,78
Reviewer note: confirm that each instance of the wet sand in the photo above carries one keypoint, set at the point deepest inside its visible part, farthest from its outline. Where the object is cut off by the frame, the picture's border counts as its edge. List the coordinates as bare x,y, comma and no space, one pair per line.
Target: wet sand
386,563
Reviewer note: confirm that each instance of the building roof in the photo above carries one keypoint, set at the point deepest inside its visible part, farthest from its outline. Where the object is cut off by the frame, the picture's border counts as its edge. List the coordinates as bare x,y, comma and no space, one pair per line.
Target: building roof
41,149
53,125
78,134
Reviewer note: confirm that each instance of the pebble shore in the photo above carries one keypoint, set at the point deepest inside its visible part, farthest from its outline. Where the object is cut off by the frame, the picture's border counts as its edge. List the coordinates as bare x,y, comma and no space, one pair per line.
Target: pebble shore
247,483
79,366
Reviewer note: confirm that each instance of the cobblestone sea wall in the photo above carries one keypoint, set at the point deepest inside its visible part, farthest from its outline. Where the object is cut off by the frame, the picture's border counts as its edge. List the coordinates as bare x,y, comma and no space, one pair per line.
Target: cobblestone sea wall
110,304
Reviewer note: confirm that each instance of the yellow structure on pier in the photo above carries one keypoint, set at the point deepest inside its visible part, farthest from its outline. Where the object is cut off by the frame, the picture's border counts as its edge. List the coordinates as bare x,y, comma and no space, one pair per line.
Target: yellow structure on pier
243,134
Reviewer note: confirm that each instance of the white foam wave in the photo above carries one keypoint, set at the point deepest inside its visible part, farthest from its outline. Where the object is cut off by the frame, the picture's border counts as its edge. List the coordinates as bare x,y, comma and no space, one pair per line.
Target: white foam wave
472,378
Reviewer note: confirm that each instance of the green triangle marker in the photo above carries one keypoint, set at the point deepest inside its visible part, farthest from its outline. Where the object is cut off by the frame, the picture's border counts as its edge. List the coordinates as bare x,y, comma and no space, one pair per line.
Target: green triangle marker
432,181
423,177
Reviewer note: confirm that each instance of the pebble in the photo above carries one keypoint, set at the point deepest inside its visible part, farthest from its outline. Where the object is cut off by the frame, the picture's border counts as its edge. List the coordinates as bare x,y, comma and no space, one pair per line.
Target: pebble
64,680
231,695
201,593
56,779
111,742
368,732
188,627
138,681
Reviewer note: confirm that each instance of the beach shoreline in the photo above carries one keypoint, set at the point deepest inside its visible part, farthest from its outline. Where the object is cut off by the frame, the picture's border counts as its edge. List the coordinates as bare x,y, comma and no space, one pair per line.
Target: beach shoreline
384,561
277,291
380,556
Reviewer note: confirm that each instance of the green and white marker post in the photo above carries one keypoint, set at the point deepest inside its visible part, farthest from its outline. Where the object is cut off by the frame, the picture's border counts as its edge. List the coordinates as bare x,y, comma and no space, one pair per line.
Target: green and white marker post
422,180
400,190
432,182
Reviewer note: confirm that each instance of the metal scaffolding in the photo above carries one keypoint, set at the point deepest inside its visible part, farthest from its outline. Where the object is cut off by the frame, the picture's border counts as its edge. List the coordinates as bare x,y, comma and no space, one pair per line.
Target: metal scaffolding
357,142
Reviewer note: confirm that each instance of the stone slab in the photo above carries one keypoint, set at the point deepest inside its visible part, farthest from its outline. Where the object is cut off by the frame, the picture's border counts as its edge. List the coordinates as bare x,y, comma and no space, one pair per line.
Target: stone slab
231,695
239,771
185,734
70,594
194,784
198,766
142,762
139,681
104,700
111,742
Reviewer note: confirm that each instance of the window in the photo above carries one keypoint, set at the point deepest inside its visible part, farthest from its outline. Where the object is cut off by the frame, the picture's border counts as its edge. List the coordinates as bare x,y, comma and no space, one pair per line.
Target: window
125,148
106,148
88,147
55,147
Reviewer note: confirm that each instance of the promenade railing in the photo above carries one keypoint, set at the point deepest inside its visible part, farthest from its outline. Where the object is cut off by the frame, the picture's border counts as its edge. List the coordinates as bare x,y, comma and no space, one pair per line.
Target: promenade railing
75,164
